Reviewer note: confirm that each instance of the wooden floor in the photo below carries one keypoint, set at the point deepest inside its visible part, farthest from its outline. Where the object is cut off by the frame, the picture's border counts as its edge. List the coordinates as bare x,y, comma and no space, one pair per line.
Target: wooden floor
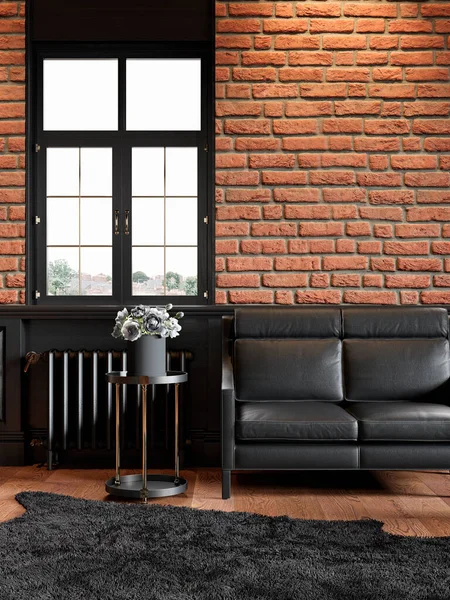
408,503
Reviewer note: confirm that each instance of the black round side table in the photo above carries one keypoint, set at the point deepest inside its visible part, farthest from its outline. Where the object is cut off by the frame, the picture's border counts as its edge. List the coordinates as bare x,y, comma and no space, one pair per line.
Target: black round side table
146,486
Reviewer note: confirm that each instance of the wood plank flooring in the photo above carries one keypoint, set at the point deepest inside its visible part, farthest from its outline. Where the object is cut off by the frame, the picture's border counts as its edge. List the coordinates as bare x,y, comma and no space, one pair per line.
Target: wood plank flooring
408,503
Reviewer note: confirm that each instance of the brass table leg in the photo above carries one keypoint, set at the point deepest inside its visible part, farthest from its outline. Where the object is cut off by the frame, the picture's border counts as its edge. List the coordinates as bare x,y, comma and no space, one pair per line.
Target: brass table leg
144,491
117,479
177,457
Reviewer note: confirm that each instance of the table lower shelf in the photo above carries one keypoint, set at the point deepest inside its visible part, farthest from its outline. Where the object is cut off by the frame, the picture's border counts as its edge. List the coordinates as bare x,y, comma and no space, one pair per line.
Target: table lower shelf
158,486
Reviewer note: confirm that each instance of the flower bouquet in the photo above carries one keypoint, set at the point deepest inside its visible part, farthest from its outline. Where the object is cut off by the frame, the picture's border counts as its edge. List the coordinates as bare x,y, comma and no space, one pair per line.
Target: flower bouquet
146,328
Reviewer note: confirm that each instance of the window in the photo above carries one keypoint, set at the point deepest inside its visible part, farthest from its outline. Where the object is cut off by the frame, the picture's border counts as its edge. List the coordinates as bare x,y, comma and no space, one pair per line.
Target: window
122,176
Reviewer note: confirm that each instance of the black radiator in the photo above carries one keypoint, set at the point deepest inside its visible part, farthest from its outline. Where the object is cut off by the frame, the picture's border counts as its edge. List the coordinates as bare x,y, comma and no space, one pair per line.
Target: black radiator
80,403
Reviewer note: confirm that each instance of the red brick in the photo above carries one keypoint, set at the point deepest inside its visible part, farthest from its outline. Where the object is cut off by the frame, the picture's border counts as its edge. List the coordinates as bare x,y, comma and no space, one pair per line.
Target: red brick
332,178
319,9
298,247
227,247
255,195
392,90
305,143
331,25
345,246
263,58
235,178
332,90
406,248
8,264
344,195
405,230
273,212
229,213
304,108
440,247
253,297
382,264
308,161
437,145
318,297
344,160
427,179
411,58
320,229
275,90
285,280
413,162
373,281
377,144
347,125
296,195
247,126
441,280
358,229
344,42
230,161
238,109
428,214
369,247
340,142
319,280
387,74
391,197
346,280
413,74
264,161
370,10
16,213
358,107
435,297
409,297
254,74
238,26
366,297
310,263
8,297
232,229
344,211
284,297
230,281
250,9
274,229
249,264
284,10
370,26
344,263
378,163
307,212
414,42
297,42
433,197
412,26
310,58
256,144
419,264
437,90
12,247
379,179
285,26
300,74
283,178
295,126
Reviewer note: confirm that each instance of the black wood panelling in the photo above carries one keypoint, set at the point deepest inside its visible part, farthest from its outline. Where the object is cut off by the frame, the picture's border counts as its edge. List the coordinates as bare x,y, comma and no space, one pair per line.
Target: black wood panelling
116,20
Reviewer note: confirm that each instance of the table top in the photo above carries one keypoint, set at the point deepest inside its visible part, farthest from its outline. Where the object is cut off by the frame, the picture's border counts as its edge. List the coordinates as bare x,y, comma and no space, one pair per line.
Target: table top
124,377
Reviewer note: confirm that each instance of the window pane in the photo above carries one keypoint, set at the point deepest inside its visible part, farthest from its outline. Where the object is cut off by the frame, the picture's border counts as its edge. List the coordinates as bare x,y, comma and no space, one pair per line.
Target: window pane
96,222
154,102
96,271
80,95
62,272
62,221
181,221
148,172
63,171
181,171
96,171
181,271
148,271
148,221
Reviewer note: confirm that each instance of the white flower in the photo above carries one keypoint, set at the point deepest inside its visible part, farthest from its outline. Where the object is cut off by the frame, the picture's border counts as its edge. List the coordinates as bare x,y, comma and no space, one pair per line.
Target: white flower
131,331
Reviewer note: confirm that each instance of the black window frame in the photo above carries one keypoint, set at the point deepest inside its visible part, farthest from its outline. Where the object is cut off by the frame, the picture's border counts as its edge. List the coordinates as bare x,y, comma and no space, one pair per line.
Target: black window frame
121,141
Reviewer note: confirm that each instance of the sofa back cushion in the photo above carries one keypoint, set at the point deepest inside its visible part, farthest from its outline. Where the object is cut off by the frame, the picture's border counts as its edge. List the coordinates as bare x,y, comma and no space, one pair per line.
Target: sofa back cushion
288,354
396,354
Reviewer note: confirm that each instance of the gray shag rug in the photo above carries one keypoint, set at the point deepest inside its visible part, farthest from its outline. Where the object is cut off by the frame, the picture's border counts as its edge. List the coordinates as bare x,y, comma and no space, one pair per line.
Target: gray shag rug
63,549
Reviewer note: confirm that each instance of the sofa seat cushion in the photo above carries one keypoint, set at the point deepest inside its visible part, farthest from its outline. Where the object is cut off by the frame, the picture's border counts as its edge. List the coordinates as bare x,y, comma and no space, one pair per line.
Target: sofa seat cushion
402,421
294,421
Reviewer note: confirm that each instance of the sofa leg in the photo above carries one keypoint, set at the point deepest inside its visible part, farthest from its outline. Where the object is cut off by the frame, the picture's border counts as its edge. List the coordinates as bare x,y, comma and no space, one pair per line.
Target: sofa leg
226,484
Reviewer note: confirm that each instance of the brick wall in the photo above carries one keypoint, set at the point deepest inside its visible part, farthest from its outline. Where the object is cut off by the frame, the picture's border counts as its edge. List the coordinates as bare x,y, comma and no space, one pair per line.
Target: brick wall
12,147
333,152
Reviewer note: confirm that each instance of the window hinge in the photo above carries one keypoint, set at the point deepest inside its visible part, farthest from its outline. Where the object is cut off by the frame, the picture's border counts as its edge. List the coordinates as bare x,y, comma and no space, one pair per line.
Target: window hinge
37,220
206,147
206,220
37,148
37,295
205,295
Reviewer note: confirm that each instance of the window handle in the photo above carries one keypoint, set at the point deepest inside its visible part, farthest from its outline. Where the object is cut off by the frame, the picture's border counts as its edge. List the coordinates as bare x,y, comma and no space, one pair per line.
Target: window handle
116,222
127,222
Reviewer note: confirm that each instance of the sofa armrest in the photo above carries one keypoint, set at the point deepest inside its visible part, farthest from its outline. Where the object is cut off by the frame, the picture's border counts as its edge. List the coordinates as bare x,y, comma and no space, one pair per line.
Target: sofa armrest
228,397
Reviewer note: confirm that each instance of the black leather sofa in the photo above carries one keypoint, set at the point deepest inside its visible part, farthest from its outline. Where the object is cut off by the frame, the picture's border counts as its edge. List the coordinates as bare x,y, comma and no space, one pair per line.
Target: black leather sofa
335,388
